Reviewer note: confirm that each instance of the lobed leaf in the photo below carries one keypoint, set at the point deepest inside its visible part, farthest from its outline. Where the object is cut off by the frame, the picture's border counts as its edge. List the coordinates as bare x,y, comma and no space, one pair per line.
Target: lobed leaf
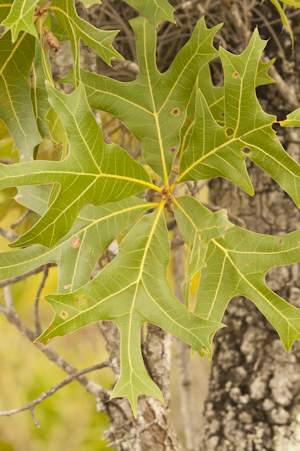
216,150
78,251
20,18
153,107
236,265
77,28
131,290
89,174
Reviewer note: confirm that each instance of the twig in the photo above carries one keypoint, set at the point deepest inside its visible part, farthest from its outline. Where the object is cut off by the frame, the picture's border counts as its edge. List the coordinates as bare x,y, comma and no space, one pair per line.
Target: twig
287,91
9,302
35,420
30,406
11,236
90,386
37,322
281,52
125,64
130,437
15,224
4,283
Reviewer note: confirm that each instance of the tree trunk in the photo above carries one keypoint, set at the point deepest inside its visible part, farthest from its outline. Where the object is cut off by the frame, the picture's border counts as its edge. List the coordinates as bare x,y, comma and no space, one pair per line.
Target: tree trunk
254,392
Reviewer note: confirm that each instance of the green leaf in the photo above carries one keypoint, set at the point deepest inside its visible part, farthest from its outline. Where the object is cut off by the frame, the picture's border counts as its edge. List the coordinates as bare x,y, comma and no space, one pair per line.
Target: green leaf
292,120
295,3
77,28
262,76
39,95
131,290
89,174
198,226
4,10
155,11
214,96
21,18
153,107
93,231
88,3
237,265
57,130
60,33
15,92
284,19
221,151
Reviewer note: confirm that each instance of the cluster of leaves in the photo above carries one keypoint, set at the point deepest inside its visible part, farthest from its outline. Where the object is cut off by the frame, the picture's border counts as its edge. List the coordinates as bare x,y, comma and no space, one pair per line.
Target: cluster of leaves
183,124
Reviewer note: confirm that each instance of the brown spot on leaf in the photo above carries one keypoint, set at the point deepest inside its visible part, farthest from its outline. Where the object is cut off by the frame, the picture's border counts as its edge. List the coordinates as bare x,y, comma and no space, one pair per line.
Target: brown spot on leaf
76,242
48,340
173,149
66,287
246,150
63,314
175,112
235,74
50,41
279,242
50,327
226,228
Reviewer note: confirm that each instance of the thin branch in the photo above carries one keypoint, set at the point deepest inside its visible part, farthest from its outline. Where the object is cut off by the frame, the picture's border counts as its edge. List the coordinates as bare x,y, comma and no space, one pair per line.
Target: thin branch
15,224
37,322
55,388
4,283
9,302
125,64
11,236
35,420
90,386
131,437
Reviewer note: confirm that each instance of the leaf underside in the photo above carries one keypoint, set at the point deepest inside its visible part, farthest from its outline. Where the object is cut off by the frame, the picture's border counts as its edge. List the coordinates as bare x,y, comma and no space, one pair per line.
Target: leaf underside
92,200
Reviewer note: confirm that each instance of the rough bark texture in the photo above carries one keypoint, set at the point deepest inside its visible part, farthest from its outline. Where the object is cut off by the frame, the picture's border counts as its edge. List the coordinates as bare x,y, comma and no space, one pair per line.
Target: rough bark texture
254,393
152,429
